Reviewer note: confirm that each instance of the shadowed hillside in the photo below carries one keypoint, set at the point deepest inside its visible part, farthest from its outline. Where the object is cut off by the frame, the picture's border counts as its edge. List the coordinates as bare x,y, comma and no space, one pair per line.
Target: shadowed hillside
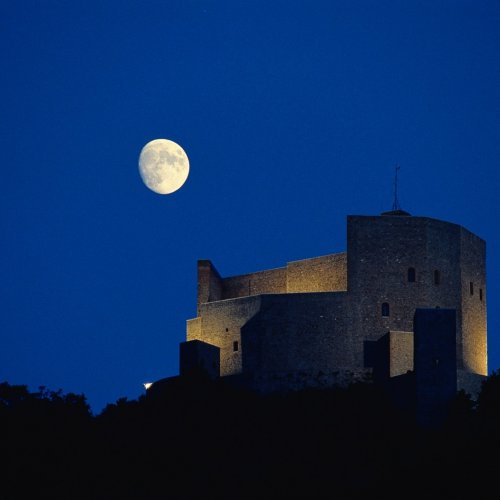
200,439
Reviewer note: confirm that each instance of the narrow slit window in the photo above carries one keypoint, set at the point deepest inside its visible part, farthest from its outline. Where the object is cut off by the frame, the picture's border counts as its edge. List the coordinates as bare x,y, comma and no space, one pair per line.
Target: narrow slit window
481,294
385,309
471,288
235,346
437,277
411,275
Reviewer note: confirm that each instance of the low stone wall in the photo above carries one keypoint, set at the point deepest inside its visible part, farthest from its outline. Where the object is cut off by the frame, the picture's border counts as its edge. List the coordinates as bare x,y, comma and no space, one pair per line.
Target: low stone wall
244,285
319,274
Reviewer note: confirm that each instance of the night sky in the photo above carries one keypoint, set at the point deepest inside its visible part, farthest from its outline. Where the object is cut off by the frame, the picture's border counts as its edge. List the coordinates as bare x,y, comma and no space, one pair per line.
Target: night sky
293,115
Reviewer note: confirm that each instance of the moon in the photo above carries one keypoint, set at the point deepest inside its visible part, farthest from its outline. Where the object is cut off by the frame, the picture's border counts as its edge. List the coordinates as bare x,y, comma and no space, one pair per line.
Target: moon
163,166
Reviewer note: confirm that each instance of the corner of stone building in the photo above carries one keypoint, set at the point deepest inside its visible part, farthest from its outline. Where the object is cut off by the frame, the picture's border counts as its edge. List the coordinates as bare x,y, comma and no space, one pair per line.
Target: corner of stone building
209,283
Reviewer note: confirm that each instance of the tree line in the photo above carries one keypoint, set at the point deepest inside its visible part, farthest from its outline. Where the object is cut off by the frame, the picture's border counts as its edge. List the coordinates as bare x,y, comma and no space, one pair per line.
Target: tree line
204,439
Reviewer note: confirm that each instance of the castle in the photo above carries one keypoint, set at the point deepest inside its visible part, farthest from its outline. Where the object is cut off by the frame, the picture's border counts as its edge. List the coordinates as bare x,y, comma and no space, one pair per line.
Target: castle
406,301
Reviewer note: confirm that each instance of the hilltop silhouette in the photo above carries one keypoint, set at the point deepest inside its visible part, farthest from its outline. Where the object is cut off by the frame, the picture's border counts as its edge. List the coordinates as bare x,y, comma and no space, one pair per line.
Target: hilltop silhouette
198,438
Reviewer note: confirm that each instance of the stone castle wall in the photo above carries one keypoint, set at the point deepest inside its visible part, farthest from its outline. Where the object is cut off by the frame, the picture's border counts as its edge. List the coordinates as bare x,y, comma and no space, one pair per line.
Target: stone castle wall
297,332
245,285
327,273
400,353
219,323
209,283
381,251
316,316
473,357
277,334
320,274
226,304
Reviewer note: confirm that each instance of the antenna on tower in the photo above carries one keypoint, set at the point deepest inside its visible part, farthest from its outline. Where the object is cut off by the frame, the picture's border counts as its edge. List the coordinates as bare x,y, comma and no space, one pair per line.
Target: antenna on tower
395,203
396,207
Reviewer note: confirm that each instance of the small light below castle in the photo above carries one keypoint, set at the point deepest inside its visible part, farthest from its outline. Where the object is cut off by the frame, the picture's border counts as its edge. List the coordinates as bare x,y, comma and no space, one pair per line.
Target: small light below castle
147,385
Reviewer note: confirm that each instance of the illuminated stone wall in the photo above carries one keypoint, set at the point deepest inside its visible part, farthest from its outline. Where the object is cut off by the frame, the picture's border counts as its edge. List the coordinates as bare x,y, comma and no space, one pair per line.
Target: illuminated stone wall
319,274
473,342
271,281
221,315
390,356
209,283
400,353
312,319
380,252
219,323
193,329
280,338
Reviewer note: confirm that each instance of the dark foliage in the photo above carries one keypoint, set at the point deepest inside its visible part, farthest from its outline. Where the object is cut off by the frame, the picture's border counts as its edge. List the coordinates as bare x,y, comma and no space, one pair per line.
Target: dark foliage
194,438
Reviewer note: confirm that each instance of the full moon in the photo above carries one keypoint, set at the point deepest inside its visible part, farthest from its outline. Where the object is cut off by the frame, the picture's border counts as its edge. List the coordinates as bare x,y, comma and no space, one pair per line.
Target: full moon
163,165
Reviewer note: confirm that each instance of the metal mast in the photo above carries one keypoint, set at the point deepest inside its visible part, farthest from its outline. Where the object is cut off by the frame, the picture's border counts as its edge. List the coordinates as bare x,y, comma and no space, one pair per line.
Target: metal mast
395,204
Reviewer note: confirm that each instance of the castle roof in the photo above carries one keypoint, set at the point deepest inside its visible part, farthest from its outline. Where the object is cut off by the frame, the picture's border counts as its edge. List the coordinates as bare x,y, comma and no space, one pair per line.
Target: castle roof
397,213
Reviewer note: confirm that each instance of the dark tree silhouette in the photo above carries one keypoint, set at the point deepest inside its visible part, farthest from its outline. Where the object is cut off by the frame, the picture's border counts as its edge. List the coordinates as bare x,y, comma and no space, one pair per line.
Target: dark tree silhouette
196,438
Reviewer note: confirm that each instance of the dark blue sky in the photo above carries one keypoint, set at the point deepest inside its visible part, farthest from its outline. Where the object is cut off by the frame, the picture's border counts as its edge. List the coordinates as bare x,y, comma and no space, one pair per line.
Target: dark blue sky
293,115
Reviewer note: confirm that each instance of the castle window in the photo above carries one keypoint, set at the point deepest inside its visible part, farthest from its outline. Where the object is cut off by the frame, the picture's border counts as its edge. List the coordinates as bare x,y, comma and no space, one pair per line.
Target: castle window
227,329
481,294
411,275
471,288
235,346
385,309
437,277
